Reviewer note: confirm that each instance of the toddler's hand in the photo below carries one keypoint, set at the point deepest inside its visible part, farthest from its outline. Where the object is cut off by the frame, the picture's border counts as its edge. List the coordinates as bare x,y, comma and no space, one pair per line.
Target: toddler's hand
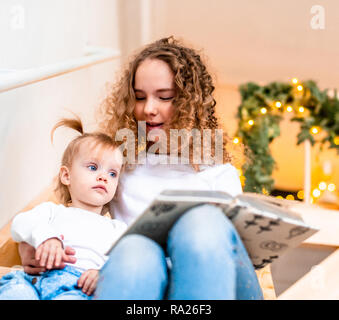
50,253
88,281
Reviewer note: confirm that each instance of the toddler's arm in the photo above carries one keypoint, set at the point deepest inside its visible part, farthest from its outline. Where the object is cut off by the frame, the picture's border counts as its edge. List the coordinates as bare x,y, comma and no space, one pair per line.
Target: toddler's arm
34,226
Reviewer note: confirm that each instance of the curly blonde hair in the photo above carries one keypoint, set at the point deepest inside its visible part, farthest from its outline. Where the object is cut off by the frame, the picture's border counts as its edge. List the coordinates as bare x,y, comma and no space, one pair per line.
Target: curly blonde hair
194,103
98,139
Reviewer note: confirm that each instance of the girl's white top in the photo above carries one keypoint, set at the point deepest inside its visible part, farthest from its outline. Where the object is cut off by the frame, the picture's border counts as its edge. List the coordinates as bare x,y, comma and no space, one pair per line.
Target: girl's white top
138,188
89,234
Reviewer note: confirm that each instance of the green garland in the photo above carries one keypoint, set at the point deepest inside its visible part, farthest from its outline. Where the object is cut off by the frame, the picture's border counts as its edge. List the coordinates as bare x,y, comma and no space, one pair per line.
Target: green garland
261,110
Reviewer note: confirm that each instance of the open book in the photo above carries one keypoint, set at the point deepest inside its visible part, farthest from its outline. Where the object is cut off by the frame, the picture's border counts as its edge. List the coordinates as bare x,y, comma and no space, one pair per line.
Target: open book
266,226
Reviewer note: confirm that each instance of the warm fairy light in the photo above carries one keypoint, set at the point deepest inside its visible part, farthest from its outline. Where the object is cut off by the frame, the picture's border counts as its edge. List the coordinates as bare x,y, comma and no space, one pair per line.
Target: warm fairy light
295,80
316,193
289,109
251,122
301,109
315,130
300,87
290,197
322,185
300,194
263,110
236,140
336,140
331,187
278,104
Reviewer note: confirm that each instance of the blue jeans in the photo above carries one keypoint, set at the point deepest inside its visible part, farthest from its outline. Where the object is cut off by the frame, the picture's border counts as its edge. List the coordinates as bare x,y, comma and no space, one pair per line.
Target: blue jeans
51,285
208,261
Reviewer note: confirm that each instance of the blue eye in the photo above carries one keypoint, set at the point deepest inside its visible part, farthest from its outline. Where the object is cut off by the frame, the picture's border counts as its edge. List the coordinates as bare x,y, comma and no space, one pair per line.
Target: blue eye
113,174
92,167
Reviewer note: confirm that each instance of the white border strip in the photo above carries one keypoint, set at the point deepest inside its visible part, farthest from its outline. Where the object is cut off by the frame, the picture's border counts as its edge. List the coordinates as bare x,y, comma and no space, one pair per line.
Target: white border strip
19,78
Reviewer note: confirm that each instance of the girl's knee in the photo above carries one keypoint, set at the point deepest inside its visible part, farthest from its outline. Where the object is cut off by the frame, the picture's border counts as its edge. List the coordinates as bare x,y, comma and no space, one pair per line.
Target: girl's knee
134,251
203,227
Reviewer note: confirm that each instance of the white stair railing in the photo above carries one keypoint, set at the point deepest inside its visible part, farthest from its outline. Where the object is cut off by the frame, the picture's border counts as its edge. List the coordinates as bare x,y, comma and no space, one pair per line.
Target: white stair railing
12,79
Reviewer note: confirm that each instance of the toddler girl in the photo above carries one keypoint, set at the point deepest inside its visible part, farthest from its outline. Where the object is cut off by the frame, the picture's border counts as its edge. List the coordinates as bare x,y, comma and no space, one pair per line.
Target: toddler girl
88,179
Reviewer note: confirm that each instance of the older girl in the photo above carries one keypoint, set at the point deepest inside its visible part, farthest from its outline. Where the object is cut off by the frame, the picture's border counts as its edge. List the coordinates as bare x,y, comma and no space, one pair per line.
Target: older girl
167,86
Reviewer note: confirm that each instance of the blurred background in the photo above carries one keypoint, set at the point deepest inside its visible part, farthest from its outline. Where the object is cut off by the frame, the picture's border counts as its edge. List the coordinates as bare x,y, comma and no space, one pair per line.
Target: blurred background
82,45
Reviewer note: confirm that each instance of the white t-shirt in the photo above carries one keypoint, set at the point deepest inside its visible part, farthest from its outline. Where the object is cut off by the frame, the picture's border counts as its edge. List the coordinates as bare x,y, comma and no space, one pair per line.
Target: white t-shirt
139,187
89,234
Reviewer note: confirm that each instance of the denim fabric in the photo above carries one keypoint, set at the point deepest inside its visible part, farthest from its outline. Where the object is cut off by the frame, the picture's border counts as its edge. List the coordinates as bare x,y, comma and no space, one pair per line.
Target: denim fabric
51,285
208,261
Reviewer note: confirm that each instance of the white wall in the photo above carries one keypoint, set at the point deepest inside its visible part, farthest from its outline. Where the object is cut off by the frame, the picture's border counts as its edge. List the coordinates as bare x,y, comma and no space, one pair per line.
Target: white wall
53,31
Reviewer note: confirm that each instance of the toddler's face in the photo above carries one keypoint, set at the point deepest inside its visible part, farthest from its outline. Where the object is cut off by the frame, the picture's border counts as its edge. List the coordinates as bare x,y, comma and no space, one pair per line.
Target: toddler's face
93,176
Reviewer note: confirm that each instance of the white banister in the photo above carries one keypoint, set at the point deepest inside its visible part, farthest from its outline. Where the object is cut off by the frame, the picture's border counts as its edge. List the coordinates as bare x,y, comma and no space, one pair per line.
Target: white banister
12,79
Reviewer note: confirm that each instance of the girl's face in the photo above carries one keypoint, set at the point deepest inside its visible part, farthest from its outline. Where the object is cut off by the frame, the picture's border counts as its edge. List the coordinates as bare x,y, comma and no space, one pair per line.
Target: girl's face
93,177
154,92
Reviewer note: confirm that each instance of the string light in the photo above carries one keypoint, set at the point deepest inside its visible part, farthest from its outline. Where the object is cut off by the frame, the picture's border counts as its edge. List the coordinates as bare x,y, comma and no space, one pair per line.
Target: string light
263,110
295,80
315,130
301,109
336,140
236,140
300,194
278,104
300,87
331,187
251,122
289,109
322,185
316,193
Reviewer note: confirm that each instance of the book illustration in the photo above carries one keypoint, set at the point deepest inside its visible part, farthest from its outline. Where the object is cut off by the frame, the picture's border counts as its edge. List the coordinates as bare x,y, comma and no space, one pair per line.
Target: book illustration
254,222
268,227
265,262
272,245
296,231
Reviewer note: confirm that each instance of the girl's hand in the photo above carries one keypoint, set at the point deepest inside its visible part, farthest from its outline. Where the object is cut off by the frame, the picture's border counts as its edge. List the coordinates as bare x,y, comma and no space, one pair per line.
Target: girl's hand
32,266
50,253
27,256
88,281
